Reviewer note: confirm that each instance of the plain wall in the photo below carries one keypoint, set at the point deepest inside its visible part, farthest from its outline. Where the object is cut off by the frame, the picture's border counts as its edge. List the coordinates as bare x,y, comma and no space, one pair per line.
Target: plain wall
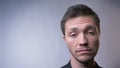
30,35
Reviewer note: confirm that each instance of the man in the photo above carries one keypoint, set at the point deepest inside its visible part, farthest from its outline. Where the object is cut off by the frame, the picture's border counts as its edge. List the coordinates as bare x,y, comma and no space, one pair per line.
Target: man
81,30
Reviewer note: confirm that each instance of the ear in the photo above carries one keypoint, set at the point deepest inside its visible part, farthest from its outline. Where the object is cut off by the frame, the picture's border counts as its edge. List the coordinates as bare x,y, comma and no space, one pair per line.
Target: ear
64,38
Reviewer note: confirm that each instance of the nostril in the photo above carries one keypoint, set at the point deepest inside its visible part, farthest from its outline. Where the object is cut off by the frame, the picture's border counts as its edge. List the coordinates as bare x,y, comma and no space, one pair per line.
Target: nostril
84,44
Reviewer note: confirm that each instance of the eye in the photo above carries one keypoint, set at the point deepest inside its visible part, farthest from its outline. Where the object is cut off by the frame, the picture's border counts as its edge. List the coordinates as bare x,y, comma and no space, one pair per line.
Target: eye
73,35
91,32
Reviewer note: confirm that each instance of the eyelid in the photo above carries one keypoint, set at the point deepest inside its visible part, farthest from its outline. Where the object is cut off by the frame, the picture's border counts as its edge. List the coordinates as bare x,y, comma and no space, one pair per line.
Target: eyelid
91,32
72,34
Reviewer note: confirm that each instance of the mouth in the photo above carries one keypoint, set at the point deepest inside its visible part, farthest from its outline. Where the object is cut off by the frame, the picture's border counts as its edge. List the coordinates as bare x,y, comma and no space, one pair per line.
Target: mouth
84,51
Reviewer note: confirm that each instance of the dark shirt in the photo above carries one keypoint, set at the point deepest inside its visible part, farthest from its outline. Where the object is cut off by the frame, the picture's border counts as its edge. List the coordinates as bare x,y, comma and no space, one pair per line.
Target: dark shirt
69,66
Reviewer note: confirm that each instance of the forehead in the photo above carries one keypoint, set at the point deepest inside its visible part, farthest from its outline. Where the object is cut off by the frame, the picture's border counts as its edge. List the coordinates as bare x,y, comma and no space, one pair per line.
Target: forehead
81,22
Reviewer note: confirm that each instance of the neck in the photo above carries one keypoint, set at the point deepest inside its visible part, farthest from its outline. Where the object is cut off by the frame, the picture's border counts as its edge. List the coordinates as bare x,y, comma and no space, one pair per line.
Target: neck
77,64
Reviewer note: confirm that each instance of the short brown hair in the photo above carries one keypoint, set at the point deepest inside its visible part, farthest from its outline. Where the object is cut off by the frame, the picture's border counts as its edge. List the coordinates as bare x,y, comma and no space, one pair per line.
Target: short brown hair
79,10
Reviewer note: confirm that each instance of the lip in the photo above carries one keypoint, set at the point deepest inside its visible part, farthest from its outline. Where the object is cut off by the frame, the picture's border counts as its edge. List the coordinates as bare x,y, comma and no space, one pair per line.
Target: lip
84,51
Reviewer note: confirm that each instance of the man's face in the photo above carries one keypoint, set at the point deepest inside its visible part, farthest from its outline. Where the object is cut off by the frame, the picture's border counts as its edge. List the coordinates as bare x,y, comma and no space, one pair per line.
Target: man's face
82,38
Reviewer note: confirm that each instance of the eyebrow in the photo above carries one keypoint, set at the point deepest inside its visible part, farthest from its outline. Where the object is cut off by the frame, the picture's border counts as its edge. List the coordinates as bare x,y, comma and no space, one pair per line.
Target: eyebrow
90,27
73,29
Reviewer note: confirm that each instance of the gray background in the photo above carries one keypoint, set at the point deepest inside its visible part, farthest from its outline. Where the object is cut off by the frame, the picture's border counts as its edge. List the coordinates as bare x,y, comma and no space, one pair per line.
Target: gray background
30,35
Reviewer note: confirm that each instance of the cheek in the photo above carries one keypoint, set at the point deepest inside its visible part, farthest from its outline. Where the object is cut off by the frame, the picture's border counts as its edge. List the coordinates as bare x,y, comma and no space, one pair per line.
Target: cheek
94,43
70,42
71,45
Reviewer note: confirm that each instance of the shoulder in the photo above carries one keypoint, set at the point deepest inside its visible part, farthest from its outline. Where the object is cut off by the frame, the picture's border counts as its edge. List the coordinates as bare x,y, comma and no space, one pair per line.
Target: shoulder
67,66
98,66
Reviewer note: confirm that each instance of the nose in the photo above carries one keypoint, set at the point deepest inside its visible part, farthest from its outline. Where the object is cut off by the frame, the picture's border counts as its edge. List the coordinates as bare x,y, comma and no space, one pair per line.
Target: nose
83,40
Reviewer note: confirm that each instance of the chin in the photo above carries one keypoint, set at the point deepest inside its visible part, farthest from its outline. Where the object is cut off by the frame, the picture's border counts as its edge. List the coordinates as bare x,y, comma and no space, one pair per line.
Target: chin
84,59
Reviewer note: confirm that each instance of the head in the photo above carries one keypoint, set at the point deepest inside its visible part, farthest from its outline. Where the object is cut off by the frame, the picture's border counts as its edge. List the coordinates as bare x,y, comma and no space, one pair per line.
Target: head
81,30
